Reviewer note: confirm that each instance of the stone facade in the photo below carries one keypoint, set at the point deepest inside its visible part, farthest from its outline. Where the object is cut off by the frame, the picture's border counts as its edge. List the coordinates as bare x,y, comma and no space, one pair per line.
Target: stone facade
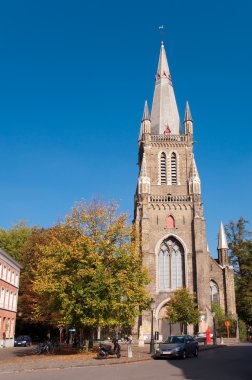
169,213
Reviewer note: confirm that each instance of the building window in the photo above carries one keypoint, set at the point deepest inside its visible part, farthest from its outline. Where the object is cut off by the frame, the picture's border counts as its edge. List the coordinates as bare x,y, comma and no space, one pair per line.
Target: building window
163,168
11,301
173,169
170,222
16,280
2,297
171,265
9,275
15,302
4,272
214,293
0,270
6,300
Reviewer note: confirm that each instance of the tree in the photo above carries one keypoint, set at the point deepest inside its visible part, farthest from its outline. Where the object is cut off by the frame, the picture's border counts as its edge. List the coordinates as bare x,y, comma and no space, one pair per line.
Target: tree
14,239
182,308
240,245
89,272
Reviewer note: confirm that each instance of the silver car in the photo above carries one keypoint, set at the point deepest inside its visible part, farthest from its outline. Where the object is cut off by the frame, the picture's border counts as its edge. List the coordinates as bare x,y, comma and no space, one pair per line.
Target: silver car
179,346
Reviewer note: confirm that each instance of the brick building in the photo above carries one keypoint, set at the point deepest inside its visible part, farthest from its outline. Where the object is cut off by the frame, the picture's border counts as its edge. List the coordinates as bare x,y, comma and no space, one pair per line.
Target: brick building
169,214
9,285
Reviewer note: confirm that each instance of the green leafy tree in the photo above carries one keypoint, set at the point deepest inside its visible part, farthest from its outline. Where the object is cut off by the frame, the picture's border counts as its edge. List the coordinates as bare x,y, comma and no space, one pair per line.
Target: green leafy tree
240,245
182,308
89,272
14,239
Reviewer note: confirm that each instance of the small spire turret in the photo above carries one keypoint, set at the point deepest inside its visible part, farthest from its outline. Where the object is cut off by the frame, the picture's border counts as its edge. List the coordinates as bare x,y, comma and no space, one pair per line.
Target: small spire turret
222,247
145,124
144,180
194,179
188,121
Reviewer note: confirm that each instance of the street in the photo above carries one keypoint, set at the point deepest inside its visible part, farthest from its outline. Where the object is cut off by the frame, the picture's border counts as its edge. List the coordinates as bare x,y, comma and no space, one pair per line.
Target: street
225,363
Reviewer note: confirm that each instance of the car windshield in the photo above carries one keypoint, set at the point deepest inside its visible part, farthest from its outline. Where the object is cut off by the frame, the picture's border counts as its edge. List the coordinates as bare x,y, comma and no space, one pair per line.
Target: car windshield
175,339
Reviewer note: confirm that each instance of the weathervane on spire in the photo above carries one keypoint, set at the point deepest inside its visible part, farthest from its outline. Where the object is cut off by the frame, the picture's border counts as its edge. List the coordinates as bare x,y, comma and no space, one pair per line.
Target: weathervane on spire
161,30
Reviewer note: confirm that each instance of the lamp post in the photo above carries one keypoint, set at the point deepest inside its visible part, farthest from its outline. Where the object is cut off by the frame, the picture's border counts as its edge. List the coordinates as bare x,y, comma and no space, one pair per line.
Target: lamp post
152,345
214,328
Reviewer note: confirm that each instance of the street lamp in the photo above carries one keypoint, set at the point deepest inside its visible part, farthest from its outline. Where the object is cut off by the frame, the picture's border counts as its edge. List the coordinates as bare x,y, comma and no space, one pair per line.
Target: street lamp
152,345
214,328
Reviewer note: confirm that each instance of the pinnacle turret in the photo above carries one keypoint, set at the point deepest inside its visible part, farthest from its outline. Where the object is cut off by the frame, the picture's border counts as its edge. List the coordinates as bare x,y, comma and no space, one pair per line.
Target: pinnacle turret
164,111
144,180
194,179
222,240
146,114
145,124
222,247
188,121
188,116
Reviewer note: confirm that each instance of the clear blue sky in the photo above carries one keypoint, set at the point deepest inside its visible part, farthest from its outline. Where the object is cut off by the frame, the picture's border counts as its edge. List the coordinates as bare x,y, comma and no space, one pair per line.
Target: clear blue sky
73,79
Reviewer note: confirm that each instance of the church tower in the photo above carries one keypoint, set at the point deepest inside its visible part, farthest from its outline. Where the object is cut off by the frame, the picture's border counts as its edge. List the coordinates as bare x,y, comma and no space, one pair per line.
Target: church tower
168,207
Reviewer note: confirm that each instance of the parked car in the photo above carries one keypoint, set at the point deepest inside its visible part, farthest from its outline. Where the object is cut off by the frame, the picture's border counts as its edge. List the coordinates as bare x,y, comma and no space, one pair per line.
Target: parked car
179,346
22,341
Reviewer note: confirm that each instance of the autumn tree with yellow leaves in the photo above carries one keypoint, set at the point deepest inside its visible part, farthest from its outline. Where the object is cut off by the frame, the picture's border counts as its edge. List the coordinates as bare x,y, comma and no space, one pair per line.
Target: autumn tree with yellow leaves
89,271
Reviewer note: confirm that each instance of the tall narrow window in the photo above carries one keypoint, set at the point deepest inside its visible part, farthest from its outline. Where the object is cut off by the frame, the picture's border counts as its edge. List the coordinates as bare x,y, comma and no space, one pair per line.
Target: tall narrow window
171,265
173,169
214,293
163,168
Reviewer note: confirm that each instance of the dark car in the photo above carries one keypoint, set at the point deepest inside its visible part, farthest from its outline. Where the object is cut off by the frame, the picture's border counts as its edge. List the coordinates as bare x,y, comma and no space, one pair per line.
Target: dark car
22,341
179,346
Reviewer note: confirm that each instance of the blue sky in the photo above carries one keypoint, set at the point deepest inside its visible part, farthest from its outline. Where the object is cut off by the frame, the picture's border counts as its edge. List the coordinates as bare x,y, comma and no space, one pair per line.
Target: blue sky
73,80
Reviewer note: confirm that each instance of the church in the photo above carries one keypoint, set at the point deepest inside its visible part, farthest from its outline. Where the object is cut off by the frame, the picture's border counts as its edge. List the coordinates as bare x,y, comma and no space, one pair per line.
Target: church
169,216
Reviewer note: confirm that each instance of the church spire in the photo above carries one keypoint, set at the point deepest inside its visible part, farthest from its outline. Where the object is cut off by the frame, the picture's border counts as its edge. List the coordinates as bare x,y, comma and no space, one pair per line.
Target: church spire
194,179
145,124
164,111
146,114
188,121
144,180
222,247
222,240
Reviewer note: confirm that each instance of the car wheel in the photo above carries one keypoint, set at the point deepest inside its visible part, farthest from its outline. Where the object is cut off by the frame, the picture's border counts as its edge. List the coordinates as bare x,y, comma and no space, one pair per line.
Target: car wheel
183,355
196,353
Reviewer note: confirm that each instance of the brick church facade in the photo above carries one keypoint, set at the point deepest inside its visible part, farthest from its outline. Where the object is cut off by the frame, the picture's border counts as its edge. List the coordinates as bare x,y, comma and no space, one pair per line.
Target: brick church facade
169,214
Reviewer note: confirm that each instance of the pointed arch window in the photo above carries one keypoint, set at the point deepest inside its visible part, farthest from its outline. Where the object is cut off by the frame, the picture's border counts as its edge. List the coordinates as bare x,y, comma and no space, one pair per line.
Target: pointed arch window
170,223
173,168
214,293
171,272
163,168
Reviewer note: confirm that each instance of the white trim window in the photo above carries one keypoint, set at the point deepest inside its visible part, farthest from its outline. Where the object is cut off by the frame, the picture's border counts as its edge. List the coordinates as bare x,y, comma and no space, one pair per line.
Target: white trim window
2,297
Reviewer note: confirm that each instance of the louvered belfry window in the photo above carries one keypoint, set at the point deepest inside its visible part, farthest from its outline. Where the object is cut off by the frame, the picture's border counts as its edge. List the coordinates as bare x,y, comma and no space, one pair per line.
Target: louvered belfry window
163,168
173,169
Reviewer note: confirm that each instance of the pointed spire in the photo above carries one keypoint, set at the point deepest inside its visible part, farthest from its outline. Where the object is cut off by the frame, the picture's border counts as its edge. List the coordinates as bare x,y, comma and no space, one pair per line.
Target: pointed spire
194,171
188,116
194,179
164,107
222,240
146,114
188,121
144,180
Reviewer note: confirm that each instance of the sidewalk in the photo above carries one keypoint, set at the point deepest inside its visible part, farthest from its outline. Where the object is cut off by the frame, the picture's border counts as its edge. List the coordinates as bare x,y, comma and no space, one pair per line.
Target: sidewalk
21,359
